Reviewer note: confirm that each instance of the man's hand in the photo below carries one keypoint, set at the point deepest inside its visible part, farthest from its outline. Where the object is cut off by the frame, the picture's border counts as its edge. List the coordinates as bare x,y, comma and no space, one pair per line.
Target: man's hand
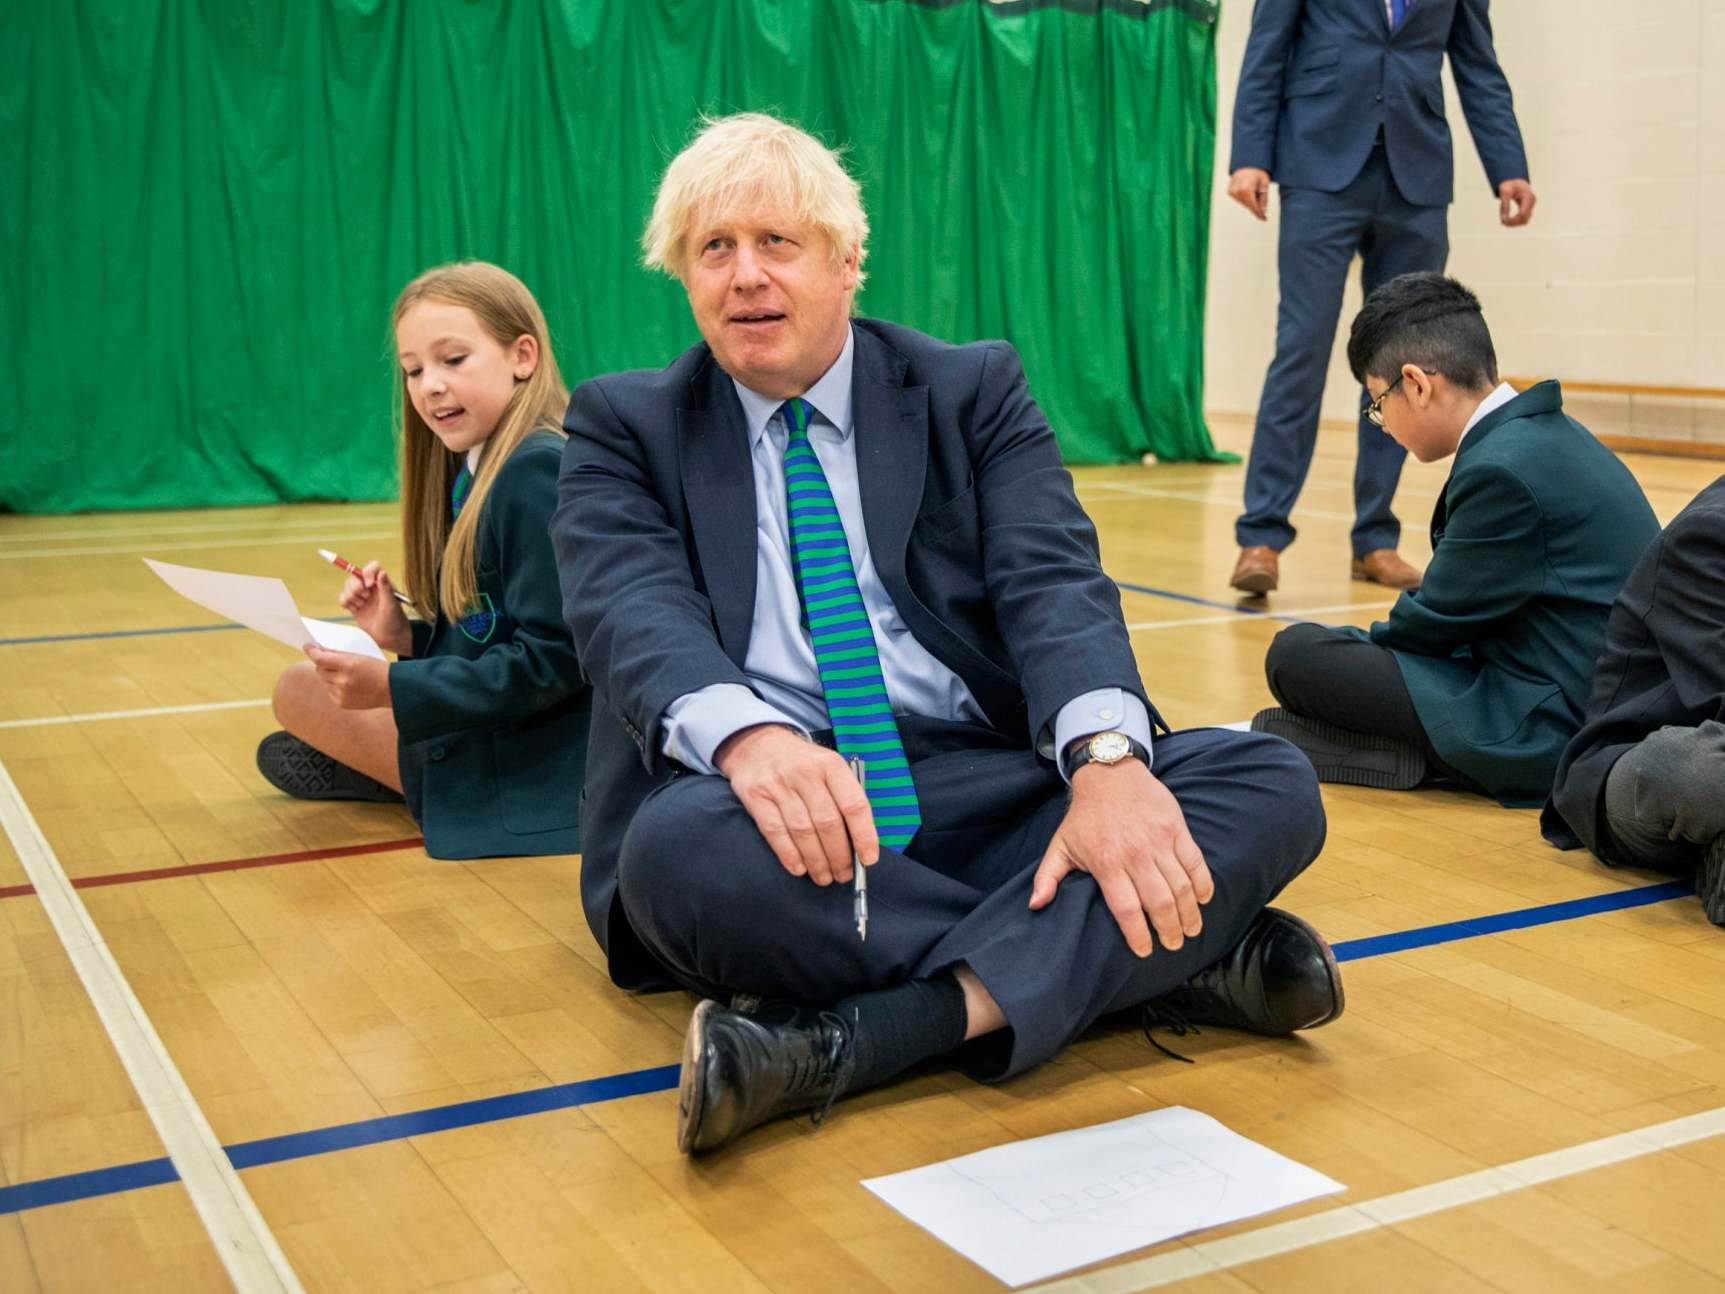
354,682
1250,187
1127,831
804,801
1515,202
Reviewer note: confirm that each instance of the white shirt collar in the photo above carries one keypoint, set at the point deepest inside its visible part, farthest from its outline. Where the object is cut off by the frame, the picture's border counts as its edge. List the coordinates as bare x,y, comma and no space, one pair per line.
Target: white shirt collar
1496,400
831,396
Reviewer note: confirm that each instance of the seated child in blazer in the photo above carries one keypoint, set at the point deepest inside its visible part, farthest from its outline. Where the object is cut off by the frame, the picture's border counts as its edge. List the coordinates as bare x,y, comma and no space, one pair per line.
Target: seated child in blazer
481,722
1478,677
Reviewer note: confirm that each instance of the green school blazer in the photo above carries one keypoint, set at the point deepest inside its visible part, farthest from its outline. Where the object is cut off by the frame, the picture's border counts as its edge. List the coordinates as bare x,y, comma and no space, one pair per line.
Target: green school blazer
1535,532
492,708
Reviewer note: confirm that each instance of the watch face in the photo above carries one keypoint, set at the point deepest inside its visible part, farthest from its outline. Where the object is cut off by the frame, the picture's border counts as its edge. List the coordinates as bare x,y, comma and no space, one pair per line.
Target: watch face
1110,747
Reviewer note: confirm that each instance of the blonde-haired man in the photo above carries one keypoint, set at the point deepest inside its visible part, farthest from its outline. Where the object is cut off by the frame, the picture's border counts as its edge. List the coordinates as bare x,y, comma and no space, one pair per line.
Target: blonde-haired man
814,537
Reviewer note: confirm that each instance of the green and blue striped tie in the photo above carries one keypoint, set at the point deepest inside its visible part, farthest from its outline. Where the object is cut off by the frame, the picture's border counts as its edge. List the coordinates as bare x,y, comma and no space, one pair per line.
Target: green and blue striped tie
458,491
842,637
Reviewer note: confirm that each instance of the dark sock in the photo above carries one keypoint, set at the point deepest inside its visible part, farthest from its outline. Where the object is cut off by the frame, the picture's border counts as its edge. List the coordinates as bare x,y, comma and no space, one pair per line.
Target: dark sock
894,1028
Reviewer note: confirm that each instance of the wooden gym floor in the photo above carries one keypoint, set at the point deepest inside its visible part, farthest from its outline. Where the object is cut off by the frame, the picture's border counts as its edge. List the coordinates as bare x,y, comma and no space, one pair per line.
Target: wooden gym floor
421,1077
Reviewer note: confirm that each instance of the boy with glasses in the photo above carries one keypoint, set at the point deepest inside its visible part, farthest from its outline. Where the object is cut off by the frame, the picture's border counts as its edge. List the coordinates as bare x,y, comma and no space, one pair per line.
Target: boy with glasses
1480,676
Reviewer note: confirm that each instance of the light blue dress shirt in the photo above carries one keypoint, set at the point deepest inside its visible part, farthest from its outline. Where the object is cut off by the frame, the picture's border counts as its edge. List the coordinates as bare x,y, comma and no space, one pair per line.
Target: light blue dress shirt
784,682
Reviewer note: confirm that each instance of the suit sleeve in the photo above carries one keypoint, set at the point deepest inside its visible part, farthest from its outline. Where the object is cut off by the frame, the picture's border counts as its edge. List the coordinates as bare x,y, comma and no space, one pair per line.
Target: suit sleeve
1059,615
1687,616
537,667
644,631
1489,562
1258,100
420,631
1485,95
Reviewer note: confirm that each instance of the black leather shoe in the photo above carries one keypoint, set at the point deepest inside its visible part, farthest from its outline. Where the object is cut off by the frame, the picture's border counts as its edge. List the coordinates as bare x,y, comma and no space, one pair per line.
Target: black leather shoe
1343,756
1710,881
1280,978
306,773
742,1069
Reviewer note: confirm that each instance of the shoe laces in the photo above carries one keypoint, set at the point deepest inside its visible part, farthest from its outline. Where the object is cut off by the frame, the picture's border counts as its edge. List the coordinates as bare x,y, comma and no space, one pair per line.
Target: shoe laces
833,1061
1155,1015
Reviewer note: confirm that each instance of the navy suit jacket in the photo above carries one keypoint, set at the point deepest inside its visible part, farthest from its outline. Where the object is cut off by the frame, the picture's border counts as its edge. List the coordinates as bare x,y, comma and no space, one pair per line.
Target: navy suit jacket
972,524
1321,76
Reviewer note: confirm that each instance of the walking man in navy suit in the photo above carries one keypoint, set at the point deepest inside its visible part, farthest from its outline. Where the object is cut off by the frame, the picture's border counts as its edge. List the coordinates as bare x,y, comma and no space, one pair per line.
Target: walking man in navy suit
1341,103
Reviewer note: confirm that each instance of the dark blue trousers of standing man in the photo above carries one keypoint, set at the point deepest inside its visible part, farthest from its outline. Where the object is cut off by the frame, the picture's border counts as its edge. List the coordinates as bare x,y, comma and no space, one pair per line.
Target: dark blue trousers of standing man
1319,236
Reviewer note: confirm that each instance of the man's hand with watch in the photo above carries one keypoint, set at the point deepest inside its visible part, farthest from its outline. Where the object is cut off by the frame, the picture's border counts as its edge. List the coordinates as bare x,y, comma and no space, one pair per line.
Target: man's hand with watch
1127,831
1106,748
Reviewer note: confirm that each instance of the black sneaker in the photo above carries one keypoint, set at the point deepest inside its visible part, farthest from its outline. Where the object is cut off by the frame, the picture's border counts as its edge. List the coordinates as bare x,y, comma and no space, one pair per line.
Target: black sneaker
1343,756
740,1070
306,773
1710,881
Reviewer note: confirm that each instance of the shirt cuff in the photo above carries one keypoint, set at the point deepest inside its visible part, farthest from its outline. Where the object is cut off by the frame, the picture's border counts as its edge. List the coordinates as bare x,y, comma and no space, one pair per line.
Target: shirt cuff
696,724
1107,709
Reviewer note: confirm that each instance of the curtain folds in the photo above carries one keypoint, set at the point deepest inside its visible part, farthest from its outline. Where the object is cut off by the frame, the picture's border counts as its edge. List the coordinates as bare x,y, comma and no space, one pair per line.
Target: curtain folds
212,204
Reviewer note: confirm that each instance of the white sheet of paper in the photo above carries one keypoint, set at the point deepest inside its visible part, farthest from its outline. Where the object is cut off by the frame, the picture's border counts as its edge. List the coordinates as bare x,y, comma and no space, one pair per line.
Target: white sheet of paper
262,603
1032,1209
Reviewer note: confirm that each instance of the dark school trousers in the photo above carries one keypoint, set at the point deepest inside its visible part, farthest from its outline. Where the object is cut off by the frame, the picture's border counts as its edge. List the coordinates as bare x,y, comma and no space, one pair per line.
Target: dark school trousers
1665,797
1317,238
708,898
1321,674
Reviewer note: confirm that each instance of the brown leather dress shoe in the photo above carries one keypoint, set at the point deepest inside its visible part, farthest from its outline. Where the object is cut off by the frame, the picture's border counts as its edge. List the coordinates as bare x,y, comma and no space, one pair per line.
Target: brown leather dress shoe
1256,571
1382,566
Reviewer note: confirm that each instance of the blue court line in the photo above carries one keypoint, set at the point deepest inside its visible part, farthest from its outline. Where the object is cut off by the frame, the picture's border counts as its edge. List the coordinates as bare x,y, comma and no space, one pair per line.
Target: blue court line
344,1136
1521,919
491,1109
441,1118
116,633
204,629
1214,603
84,1186
141,633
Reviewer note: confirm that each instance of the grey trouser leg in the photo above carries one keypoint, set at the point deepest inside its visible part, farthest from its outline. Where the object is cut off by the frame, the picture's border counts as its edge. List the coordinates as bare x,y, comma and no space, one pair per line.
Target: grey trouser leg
1665,799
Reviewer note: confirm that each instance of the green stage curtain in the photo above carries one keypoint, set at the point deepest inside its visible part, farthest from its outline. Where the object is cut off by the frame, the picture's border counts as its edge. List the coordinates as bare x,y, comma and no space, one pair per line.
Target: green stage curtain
210,205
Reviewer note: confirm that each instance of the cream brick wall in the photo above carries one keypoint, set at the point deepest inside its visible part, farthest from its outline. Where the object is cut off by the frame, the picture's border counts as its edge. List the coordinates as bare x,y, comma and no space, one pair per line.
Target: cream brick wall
1621,275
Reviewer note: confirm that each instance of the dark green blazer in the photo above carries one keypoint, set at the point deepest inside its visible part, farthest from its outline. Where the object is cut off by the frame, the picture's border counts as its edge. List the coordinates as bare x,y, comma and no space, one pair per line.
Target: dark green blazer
1535,532
492,709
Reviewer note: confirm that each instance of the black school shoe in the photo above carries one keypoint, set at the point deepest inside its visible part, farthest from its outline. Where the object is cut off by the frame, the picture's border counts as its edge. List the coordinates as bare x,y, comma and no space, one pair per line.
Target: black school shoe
306,773
1710,881
1280,978
742,1068
1343,756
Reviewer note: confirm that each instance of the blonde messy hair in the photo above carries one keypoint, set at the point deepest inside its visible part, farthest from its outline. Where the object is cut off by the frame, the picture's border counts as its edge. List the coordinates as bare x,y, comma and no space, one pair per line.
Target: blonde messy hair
746,158
440,575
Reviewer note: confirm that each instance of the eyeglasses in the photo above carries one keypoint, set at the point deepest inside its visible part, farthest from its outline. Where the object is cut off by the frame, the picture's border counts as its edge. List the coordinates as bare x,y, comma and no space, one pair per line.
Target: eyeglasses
1375,408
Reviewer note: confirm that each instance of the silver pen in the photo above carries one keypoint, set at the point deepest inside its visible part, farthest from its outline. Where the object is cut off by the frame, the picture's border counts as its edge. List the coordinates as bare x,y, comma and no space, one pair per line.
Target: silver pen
859,873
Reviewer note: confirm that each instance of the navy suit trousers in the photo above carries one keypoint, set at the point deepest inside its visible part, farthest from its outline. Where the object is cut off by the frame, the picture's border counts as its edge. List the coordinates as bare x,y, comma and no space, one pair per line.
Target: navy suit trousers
1320,232
709,899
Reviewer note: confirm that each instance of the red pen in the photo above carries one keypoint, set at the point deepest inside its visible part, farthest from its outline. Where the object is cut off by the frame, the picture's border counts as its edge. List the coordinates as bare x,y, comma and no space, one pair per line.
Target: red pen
341,563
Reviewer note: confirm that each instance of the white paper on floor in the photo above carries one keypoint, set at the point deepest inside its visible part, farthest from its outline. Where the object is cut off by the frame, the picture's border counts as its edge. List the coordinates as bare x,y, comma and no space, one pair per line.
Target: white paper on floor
1032,1209
262,603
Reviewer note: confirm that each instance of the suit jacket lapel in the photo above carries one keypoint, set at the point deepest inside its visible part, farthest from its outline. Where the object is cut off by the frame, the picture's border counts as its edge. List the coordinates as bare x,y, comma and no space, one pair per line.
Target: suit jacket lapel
891,435
719,485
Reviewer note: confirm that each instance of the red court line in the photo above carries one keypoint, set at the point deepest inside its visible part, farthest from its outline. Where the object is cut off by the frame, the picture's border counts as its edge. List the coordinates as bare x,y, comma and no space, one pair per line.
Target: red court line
226,865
